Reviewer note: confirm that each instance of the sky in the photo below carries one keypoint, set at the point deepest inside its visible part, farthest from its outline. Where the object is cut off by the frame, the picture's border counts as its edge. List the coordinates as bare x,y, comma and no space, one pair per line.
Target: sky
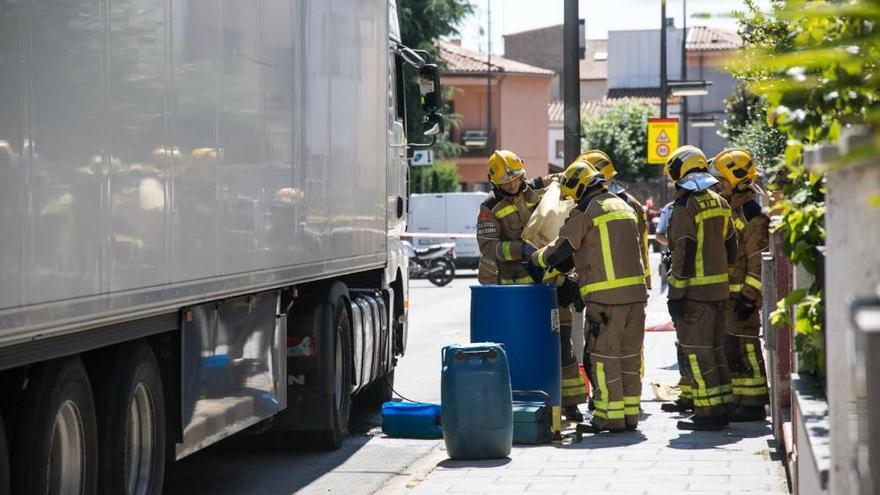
511,16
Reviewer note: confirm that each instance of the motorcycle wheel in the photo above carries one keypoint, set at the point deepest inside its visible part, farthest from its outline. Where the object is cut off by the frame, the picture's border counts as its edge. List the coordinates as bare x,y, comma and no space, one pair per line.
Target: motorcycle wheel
444,276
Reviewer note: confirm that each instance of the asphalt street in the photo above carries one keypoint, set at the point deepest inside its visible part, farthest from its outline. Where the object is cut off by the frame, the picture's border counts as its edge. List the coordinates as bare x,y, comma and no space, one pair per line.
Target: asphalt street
367,461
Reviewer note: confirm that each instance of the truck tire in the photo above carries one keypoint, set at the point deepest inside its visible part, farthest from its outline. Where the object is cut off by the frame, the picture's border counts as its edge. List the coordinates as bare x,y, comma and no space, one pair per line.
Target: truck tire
339,365
132,416
376,393
56,440
4,460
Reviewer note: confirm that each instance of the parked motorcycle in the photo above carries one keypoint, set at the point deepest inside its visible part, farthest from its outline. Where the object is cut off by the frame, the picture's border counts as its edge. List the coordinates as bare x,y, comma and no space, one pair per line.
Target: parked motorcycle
435,262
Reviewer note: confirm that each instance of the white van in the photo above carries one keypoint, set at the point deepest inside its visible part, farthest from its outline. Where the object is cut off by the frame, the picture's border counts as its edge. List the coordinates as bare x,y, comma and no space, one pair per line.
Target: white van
448,213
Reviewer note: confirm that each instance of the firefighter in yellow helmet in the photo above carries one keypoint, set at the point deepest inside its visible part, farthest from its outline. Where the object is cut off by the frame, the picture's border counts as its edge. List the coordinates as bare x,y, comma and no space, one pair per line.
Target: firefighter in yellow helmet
737,176
602,162
601,237
500,223
703,243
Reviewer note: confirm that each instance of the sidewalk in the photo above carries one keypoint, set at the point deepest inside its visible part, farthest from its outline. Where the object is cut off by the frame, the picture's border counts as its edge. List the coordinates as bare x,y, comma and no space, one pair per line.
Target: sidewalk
656,459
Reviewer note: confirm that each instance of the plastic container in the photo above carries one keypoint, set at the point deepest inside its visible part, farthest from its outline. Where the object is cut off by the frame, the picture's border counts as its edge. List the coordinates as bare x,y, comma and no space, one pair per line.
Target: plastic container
523,318
532,418
476,401
411,420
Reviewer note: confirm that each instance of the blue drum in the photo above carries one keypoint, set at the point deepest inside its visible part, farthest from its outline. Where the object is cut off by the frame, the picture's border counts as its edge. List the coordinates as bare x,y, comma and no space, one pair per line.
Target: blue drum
525,319
476,404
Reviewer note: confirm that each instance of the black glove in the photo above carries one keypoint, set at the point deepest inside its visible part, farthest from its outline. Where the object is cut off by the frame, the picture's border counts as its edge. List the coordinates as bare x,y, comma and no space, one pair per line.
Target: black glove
527,250
579,305
744,308
567,293
535,271
565,265
676,308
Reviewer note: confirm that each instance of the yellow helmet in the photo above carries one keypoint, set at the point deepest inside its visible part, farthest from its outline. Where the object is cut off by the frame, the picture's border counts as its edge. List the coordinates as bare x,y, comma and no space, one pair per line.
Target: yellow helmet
685,160
600,161
578,178
505,166
736,166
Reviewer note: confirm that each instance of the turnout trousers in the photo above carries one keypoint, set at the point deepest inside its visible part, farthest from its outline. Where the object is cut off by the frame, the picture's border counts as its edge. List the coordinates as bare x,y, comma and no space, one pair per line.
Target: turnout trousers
615,336
574,388
745,359
701,333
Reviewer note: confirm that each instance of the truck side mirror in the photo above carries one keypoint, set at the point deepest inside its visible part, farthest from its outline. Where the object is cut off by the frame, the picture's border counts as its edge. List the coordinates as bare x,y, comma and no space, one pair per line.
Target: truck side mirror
432,124
429,87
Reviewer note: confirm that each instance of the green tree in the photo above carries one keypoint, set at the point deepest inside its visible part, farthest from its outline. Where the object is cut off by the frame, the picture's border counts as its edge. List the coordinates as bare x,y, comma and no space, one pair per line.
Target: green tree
422,23
438,178
764,143
622,133
816,63
741,108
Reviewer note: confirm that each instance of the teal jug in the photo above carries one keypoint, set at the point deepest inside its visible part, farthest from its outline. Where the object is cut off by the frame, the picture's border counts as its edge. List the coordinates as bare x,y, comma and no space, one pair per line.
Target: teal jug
476,405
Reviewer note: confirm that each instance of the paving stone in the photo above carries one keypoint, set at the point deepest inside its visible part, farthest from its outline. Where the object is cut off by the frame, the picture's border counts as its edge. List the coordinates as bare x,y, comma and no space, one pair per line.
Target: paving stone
657,460
554,487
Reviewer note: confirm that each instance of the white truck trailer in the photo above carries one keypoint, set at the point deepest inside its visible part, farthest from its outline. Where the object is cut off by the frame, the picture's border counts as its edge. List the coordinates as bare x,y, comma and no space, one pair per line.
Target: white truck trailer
200,210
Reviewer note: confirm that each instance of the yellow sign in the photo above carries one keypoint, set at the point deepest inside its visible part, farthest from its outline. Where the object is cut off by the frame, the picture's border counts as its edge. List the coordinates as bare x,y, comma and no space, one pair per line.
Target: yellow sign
662,139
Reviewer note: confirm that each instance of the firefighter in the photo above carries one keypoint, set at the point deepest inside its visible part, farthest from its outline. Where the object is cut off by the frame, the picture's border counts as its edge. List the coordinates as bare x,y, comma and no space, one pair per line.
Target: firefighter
737,176
602,162
703,243
500,223
601,237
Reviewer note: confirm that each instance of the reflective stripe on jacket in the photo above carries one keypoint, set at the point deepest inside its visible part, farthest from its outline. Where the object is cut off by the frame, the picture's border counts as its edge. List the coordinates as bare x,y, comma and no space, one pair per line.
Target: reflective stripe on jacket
752,235
603,233
642,215
500,223
703,243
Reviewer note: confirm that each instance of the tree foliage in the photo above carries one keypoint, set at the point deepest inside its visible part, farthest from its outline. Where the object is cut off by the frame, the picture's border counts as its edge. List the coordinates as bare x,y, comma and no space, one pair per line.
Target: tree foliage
741,107
622,133
422,23
764,143
438,178
816,63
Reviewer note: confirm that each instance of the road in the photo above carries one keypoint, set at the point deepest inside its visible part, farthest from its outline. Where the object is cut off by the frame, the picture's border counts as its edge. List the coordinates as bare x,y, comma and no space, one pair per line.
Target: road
367,460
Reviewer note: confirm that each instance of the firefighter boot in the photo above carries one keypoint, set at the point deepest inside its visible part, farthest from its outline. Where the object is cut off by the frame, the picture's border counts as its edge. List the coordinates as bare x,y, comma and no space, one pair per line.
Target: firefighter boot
572,413
703,424
681,405
744,414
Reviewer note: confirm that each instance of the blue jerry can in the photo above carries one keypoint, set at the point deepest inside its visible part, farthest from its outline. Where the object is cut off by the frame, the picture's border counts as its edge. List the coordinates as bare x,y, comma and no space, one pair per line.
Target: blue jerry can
525,320
476,401
411,420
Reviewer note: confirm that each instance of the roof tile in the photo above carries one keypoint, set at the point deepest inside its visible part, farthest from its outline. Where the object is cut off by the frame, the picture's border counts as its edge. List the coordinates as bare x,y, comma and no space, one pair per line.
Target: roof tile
704,38
461,60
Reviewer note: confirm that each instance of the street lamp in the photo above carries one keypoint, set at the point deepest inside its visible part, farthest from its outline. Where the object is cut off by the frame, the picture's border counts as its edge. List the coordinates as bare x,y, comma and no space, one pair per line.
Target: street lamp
689,88
703,121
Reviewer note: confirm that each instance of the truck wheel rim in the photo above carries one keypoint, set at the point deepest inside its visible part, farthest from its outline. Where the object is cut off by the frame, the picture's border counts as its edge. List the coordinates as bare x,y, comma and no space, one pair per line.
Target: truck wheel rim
141,440
67,461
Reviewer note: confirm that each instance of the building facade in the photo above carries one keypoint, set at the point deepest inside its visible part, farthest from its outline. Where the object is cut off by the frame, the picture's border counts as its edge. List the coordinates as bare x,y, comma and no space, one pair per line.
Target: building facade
519,100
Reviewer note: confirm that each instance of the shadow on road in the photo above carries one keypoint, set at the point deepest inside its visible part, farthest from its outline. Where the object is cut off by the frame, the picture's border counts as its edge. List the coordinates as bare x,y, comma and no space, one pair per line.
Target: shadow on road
477,464
239,464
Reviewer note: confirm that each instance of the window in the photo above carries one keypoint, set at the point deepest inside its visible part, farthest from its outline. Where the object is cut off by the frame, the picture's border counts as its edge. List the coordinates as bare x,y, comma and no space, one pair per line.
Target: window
560,148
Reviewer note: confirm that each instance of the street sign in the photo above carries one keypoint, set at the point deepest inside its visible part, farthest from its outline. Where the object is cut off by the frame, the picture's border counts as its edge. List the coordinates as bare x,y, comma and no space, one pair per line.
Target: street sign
662,139
422,158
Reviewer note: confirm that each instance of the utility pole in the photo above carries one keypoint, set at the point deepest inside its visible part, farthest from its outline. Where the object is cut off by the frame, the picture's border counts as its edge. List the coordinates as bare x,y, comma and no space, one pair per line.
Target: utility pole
683,134
489,141
663,59
571,82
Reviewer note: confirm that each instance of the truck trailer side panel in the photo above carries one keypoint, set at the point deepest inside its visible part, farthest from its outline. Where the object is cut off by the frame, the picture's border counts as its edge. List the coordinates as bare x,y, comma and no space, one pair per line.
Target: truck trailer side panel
161,153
